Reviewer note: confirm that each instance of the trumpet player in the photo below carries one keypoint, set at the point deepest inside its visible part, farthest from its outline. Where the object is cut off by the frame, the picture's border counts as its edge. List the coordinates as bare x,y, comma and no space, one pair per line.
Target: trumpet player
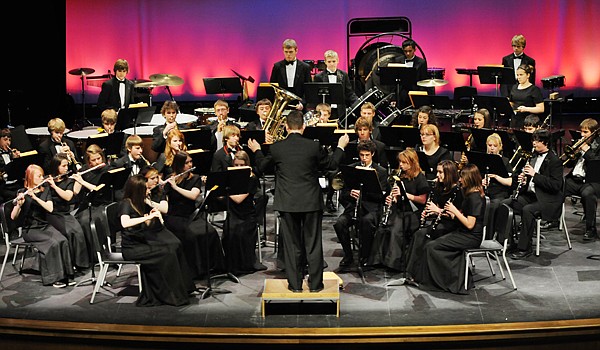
542,184
575,183
57,143
222,113
367,215
405,202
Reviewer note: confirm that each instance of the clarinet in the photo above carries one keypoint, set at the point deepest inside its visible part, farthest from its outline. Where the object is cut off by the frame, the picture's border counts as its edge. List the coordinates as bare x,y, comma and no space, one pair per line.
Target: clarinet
517,190
429,200
388,208
450,200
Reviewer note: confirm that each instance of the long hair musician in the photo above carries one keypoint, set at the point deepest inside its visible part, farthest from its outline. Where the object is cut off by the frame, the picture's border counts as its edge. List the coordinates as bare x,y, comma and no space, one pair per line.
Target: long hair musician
434,153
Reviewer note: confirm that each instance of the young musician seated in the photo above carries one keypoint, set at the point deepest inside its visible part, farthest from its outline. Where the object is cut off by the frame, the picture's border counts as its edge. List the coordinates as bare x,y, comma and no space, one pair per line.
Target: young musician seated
422,116
57,144
496,191
8,187
134,161
175,143
263,108
223,157
160,133
430,137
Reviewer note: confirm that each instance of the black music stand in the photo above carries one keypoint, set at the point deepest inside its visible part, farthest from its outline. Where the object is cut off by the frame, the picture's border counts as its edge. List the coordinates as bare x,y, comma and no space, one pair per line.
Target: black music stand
197,138
321,92
524,139
497,106
435,101
400,137
15,170
365,180
480,136
453,141
111,144
128,117
257,135
401,76
223,85
20,139
265,90
202,160
496,75
424,164
488,163
325,134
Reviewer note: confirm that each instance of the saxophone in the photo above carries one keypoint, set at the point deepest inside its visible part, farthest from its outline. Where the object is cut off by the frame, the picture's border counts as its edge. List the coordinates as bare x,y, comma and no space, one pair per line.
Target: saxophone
275,122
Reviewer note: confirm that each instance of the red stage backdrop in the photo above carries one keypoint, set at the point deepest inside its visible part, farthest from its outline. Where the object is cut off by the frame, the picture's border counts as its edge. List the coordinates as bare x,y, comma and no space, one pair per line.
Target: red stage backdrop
197,39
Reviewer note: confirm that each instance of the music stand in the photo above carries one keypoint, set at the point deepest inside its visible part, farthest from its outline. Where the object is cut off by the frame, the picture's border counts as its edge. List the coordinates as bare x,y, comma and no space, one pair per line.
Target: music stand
524,139
20,139
424,163
258,135
111,144
321,92
202,160
400,136
496,75
366,181
265,90
197,138
488,163
128,117
434,101
453,141
399,75
325,134
223,85
480,136
15,170
115,179
495,105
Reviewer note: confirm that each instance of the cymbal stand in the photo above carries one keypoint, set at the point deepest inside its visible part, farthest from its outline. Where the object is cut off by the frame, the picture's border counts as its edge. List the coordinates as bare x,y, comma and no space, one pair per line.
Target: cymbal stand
170,94
82,77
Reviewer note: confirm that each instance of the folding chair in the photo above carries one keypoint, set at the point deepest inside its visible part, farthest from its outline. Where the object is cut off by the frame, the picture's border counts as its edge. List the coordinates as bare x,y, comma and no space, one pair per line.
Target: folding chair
17,242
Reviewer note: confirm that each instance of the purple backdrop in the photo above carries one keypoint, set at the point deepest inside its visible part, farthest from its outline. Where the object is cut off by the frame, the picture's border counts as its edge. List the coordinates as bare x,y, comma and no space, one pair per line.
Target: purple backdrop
197,39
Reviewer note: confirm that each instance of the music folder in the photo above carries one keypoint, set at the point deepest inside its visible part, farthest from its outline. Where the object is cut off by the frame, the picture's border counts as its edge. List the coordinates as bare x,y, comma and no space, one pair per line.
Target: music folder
488,163
129,117
453,141
400,136
111,144
357,177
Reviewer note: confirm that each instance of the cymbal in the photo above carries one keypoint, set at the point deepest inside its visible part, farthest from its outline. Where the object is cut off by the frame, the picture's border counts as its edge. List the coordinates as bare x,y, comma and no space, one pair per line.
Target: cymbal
82,71
167,79
148,84
432,82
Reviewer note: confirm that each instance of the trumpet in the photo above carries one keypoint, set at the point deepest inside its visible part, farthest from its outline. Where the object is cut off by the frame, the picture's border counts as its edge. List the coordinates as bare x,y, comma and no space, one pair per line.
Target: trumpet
573,152
71,156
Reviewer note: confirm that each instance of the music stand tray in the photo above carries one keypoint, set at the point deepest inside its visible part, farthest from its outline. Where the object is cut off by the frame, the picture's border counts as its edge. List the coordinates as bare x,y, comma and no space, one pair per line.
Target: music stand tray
321,92
361,177
405,77
128,117
488,163
400,136
496,105
222,85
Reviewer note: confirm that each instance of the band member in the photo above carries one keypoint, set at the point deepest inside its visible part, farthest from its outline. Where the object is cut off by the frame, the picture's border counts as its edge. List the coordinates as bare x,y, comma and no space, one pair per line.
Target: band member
62,194
434,153
169,111
575,183
298,199
198,237
367,215
109,120
481,119
175,143
165,275
496,191
515,60
403,207
239,231
222,113
30,210
223,157
442,264
525,98
531,123
540,191
364,131
117,92
423,115
8,187
334,75
368,111
291,73
263,108
57,144
133,160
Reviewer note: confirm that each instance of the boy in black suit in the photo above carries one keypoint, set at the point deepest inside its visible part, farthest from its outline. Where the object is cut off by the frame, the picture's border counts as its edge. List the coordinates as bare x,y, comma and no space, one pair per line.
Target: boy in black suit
515,59
291,73
117,92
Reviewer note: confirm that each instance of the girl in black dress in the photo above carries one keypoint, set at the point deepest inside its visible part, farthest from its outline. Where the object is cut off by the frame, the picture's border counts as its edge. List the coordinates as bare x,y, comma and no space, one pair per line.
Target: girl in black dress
61,190
199,238
442,265
405,205
422,116
525,98
165,274
494,189
30,209
175,143
434,153
239,232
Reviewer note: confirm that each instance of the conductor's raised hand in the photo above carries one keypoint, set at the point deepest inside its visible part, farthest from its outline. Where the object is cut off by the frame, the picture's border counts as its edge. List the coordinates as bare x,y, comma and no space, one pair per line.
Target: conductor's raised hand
343,141
253,145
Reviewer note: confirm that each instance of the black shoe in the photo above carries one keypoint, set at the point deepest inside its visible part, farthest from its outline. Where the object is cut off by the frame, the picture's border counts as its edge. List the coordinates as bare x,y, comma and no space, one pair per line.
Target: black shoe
347,261
590,235
549,225
318,289
294,290
330,207
521,254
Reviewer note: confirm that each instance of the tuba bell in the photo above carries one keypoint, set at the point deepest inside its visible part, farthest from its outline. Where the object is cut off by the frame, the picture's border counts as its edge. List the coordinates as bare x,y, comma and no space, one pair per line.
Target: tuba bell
275,122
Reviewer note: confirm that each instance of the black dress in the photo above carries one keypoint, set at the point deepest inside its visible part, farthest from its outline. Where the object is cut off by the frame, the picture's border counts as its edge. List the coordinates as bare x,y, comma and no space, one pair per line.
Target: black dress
442,266
62,219
55,254
199,238
239,233
528,97
165,274
389,245
433,160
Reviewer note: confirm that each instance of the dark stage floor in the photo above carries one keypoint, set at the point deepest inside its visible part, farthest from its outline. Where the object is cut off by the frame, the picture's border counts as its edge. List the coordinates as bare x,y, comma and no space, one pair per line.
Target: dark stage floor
560,284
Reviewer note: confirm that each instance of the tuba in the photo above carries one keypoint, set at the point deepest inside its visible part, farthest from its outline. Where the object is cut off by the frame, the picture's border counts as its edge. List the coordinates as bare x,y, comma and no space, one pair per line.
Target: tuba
275,122
337,182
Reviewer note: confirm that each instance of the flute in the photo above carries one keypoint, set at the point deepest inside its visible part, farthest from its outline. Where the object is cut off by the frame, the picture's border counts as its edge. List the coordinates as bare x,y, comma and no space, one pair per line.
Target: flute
21,195
90,169
162,182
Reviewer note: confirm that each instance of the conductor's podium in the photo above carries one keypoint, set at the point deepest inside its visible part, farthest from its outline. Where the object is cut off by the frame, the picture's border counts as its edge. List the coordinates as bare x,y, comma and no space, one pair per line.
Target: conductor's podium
276,291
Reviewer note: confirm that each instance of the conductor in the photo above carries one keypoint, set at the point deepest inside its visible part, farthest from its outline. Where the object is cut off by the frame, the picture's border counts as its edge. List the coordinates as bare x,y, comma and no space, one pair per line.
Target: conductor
298,198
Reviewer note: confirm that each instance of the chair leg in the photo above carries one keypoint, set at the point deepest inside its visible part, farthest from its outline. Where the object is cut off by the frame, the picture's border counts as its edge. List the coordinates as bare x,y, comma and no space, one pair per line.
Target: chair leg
259,243
467,263
563,223
139,270
14,260
538,229
100,281
5,260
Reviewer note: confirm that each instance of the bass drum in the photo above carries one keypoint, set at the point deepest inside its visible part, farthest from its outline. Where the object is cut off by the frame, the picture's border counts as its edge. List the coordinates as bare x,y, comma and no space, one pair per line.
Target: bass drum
373,95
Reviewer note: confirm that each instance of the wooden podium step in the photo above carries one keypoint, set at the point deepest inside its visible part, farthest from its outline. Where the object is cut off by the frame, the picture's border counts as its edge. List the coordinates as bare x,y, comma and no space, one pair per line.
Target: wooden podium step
276,290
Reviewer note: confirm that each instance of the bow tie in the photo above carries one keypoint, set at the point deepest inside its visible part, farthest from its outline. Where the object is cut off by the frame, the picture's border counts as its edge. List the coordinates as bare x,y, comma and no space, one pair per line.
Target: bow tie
121,81
289,62
409,60
518,57
329,73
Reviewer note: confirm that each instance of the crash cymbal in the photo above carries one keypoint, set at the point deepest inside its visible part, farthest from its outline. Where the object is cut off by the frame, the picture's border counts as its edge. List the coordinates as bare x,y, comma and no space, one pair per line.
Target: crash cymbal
167,79
148,84
432,82
82,71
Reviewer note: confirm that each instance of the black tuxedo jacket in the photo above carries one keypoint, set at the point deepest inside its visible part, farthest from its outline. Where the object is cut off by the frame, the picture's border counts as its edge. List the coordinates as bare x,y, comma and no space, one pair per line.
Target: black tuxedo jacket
109,95
370,202
508,61
342,77
48,150
297,162
549,185
278,75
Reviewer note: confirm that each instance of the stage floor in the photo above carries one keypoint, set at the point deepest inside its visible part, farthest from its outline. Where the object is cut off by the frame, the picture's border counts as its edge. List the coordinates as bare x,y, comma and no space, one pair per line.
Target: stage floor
560,284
